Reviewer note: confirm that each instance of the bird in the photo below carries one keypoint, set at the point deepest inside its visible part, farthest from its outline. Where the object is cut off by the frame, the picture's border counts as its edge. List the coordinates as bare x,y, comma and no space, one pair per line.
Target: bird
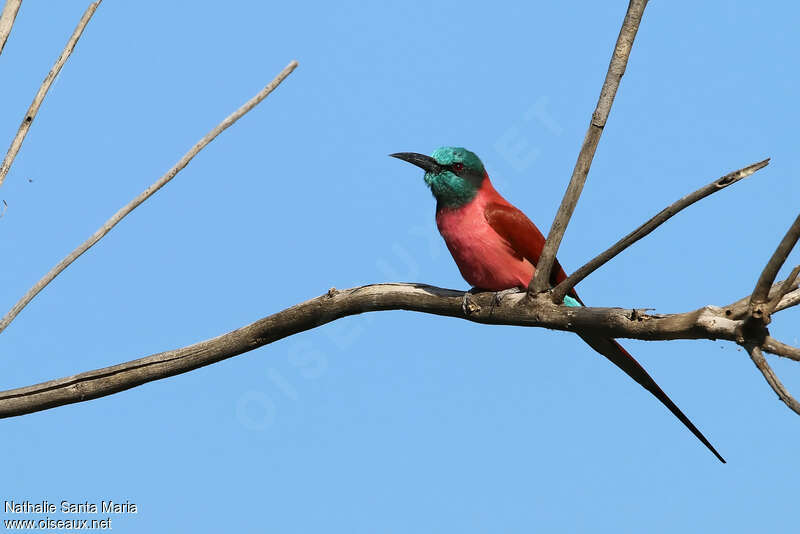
496,248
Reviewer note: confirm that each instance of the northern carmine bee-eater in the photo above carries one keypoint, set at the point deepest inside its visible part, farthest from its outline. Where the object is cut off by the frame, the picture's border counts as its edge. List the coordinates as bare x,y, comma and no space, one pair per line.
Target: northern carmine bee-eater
496,247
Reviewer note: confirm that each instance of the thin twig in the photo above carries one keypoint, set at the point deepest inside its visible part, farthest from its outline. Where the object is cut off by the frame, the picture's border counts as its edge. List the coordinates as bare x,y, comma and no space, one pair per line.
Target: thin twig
660,218
786,286
7,20
616,68
16,144
790,299
772,379
161,182
761,291
781,349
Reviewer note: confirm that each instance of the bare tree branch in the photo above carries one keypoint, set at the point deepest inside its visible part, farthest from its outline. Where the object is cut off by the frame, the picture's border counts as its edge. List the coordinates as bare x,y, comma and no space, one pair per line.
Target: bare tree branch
767,297
704,323
16,144
133,204
781,349
760,292
660,218
786,286
772,379
7,18
742,322
616,68
739,309
790,299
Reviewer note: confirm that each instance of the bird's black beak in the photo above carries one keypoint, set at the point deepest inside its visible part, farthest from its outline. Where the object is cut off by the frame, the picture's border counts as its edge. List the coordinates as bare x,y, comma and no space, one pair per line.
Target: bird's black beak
426,163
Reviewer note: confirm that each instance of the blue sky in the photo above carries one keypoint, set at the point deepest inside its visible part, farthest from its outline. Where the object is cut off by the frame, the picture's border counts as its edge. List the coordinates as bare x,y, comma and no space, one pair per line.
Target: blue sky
402,422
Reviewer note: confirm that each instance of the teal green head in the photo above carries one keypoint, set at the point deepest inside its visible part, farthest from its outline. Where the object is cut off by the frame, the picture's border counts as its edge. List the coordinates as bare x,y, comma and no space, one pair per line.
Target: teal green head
454,174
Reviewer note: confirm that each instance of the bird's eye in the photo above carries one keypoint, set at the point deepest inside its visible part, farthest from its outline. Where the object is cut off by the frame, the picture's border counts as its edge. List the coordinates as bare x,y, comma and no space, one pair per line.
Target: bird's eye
458,167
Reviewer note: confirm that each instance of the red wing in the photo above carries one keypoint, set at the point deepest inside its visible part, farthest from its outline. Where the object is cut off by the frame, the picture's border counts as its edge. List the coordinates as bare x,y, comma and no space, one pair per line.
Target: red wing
524,238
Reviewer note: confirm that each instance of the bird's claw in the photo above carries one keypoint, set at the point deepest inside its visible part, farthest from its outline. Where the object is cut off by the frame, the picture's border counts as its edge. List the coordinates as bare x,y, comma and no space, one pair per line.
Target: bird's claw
469,306
500,295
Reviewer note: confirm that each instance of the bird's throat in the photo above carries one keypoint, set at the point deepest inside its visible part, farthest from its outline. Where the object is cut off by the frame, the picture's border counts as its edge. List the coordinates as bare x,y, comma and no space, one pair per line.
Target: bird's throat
450,191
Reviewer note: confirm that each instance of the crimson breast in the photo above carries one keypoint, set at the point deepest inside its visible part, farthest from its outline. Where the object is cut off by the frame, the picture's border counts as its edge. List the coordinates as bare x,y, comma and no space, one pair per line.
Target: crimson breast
486,260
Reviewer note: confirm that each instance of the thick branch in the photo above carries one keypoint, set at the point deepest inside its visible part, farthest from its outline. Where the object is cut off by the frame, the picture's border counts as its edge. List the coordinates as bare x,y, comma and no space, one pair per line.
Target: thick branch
660,218
705,323
619,60
7,18
16,144
772,379
133,204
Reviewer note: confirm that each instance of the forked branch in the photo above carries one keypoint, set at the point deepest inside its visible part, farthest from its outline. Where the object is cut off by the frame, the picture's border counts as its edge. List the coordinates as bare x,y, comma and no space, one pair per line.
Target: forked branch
775,263
739,309
764,301
785,287
660,218
616,68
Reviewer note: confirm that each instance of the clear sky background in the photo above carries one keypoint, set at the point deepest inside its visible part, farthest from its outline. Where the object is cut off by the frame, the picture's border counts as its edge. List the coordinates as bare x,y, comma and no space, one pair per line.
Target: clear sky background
402,422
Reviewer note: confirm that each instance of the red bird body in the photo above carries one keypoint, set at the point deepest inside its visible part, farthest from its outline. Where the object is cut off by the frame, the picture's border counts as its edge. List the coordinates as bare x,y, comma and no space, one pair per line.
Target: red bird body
485,258
496,247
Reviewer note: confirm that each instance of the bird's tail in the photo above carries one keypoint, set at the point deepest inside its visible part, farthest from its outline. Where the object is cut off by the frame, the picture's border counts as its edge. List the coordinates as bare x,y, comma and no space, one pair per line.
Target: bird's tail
621,358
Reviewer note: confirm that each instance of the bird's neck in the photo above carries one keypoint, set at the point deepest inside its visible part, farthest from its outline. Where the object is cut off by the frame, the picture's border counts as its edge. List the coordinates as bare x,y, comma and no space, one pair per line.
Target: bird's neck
485,194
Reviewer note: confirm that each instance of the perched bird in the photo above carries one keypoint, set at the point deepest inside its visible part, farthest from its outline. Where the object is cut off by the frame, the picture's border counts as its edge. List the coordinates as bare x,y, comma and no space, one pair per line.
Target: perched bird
496,247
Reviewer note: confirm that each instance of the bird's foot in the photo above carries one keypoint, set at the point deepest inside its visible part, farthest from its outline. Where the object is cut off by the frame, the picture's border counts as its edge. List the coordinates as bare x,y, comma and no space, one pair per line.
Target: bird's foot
469,306
500,295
